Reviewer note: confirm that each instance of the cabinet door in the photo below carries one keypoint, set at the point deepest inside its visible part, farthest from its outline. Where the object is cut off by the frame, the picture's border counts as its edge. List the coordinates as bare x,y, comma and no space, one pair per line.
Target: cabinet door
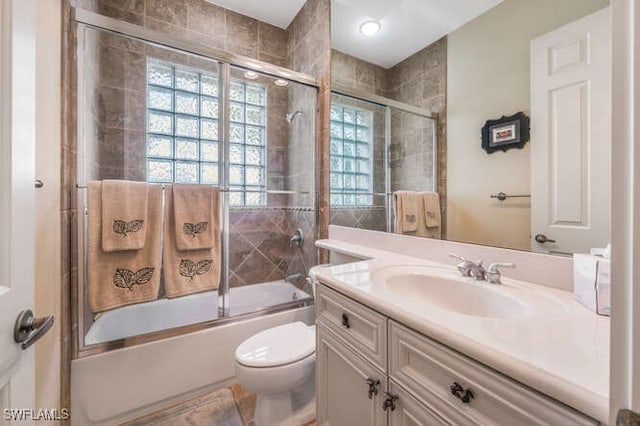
409,412
342,388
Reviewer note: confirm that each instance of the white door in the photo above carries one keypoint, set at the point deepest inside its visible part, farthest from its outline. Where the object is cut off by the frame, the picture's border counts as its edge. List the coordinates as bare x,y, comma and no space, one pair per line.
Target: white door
571,136
17,161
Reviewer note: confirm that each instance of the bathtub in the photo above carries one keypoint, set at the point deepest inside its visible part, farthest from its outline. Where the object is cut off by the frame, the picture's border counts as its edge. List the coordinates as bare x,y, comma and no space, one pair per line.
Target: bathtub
123,384
164,314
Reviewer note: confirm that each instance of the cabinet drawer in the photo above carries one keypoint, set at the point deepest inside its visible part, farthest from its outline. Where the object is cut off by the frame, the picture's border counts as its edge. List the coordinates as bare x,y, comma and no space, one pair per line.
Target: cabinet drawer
428,370
409,411
364,329
342,388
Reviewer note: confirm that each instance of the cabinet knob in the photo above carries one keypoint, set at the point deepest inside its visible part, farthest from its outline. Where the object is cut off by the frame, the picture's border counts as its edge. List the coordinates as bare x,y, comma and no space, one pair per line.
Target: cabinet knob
464,395
373,386
389,401
345,321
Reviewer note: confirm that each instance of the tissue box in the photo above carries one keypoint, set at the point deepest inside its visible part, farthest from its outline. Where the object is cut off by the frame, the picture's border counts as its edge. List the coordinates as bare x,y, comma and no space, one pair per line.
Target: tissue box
592,282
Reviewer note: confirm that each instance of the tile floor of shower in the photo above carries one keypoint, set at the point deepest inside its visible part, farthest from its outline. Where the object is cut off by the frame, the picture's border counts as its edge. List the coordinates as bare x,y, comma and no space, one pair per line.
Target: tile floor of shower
230,406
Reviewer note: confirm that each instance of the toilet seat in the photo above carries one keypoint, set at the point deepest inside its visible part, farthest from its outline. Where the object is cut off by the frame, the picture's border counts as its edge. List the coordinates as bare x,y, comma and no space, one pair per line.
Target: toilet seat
277,346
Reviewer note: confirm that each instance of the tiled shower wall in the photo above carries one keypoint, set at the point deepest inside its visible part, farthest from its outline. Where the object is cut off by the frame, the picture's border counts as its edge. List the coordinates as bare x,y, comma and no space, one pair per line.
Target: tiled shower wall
259,238
419,80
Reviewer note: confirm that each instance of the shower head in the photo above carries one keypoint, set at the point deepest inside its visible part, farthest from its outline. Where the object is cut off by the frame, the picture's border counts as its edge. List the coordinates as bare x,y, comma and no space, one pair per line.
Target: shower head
292,115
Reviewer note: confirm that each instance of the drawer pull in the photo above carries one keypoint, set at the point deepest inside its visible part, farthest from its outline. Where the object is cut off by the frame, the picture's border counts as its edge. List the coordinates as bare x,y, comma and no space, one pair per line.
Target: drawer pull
345,321
373,387
389,401
464,395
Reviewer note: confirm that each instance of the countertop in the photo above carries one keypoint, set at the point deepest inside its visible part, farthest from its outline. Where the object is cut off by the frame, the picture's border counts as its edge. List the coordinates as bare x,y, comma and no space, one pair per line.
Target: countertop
564,354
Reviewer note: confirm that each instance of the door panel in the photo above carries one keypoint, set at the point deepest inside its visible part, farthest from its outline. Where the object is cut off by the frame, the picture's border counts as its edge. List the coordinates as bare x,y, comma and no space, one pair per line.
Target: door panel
571,136
342,390
17,175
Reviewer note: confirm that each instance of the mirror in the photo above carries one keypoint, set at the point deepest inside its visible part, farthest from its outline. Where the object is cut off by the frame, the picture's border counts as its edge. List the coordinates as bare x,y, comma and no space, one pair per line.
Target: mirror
468,62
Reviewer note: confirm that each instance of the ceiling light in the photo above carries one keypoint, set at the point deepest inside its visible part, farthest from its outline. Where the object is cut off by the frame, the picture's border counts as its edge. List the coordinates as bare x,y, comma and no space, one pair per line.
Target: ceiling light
370,28
280,82
251,75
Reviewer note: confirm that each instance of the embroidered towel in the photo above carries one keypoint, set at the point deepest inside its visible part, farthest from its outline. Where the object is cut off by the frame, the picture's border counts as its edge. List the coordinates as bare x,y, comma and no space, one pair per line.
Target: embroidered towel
190,271
121,278
431,202
193,211
124,211
408,206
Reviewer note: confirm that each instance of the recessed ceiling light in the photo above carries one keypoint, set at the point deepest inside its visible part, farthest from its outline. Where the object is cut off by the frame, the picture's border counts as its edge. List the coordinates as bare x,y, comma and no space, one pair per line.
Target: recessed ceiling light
251,75
280,82
370,28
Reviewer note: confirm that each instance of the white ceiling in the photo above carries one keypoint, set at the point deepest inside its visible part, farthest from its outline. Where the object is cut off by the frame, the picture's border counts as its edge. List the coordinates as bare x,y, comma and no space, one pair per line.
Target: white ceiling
407,25
276,12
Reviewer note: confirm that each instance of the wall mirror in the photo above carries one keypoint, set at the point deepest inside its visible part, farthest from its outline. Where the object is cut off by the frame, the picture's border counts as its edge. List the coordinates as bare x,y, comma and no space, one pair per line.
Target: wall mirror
415,81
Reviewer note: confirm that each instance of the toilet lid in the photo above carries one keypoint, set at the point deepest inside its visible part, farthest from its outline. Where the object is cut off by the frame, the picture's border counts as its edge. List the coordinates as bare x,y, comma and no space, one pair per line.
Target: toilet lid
279,345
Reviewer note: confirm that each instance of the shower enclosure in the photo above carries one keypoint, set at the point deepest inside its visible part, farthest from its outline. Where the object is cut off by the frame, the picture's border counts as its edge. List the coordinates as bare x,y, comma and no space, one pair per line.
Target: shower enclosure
152,108
378,146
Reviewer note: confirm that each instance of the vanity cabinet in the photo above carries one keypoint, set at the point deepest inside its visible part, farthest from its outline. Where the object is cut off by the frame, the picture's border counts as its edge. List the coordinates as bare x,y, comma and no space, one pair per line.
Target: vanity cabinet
372,370
350,390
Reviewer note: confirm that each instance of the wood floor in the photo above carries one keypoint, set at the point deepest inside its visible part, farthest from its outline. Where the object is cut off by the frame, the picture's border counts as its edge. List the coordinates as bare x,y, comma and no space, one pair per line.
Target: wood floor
231,406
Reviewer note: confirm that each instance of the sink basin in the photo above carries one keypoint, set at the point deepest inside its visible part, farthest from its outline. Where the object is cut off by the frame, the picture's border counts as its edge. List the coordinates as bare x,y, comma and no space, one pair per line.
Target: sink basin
443,289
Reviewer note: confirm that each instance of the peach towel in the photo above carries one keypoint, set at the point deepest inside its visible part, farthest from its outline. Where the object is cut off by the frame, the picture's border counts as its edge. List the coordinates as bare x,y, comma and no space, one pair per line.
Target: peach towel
426,214
190,271
193,212
124,215
431,202
123,277
408,206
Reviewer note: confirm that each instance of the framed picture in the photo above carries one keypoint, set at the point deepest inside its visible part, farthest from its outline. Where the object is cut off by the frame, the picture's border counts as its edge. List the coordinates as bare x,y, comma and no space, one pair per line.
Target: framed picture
505,133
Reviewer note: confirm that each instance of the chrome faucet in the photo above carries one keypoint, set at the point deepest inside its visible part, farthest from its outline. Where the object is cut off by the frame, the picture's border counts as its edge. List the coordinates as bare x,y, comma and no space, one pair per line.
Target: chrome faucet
471,269
493,274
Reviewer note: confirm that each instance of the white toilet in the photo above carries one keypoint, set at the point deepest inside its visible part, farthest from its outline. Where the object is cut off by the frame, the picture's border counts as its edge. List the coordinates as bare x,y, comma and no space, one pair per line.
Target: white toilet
278,364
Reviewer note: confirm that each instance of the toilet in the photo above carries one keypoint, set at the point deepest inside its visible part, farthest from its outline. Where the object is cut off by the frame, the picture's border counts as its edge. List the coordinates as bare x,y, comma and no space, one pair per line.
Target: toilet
278,364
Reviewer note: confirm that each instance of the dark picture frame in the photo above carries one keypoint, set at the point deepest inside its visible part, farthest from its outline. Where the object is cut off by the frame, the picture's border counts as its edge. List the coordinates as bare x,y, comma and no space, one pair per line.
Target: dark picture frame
505,133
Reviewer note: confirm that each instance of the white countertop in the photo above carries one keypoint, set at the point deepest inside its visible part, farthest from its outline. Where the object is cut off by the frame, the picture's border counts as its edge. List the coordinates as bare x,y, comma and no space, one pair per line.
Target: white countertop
563,353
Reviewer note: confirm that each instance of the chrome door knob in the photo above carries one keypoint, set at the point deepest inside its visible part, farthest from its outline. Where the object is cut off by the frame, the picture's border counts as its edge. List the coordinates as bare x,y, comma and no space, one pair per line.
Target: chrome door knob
541,238
29,329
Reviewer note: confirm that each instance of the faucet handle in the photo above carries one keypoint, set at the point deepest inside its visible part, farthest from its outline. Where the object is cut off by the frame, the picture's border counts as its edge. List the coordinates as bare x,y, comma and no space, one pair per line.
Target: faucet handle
493,274
494,266
455,256
464,267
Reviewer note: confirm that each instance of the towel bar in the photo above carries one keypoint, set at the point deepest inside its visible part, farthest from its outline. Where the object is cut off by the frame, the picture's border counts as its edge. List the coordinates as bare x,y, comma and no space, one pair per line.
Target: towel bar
273,191
502,196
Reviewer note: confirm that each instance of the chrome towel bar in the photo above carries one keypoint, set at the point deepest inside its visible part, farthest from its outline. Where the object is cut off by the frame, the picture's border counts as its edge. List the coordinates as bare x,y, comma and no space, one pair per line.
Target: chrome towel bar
502,196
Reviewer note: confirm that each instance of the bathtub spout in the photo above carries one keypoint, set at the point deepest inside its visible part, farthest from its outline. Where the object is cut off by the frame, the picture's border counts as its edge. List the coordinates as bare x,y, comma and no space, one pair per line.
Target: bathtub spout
292,277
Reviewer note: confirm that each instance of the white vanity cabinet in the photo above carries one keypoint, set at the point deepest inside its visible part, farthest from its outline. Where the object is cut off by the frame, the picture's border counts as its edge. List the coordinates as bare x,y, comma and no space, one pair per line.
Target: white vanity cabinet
372,370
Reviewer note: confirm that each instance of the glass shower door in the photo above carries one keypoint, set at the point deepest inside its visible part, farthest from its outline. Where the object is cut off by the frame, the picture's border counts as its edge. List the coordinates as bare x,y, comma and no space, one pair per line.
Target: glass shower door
151,114
271,191
358,163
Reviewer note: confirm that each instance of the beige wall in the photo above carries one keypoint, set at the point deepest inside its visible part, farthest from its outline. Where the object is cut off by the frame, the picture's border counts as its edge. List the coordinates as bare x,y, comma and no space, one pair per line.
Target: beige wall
488,76
47,273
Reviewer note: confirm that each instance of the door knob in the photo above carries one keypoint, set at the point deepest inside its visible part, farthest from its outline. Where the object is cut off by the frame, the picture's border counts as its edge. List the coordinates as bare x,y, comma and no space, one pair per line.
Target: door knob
541,238
29,329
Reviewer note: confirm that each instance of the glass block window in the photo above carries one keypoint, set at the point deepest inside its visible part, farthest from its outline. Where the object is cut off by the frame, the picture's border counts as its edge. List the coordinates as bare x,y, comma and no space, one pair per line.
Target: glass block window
351,156
182,131
248,143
